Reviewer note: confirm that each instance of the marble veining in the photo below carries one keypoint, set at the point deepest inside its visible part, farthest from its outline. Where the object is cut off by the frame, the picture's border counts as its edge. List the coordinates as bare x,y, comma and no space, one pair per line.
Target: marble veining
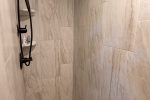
50,76
86,50
111,50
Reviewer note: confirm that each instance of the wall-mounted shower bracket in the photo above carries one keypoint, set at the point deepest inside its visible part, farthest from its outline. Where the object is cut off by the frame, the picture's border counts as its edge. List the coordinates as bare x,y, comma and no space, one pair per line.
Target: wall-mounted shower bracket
22,30
24,60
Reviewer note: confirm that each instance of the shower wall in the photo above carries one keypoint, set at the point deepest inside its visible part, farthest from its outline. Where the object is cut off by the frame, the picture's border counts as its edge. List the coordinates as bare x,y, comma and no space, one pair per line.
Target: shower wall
111,50
50,76
11,78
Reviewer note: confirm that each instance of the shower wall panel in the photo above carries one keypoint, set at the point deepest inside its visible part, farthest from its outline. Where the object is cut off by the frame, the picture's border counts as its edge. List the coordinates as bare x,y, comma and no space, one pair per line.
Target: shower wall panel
50,76
11,78
111,50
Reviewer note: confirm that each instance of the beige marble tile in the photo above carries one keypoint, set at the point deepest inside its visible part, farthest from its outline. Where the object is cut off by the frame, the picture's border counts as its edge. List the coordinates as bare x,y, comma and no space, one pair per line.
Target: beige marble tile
88,14
93,75
64,12
32,78
64,76
4,93
15,82
66,82
120,82
129,77
48,89
46,61
49,24
59,14
66,45
40,76
113,74
141,45
119,21
101,72
6,30
115,20
144,10
139,78
55,47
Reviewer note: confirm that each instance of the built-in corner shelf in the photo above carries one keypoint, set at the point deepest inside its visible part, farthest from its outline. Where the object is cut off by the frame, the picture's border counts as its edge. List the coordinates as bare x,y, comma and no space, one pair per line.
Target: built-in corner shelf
27,47
24,12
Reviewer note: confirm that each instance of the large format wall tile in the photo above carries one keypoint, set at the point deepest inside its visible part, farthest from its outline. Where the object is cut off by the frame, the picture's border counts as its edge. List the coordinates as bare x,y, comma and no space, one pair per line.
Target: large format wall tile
144,10
40,78
142,40
115,20
129,77
88,14
66,81
120,80
139,78
50,76
111,50
104,34
64,12
119,23
32,77
48,89
93,74
54,14
49,23
11,80
46,63
66,45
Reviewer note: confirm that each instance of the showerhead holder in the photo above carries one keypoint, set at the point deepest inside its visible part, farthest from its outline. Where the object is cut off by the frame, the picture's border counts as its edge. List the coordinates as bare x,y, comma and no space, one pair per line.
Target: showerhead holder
24,60
22,30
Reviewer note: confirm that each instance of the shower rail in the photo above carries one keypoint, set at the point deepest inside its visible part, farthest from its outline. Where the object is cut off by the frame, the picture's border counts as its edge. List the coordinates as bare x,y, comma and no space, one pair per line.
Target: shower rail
23,59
